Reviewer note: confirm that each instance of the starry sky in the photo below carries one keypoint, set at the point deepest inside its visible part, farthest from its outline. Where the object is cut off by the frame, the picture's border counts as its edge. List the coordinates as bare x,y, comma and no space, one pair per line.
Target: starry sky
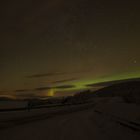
66,44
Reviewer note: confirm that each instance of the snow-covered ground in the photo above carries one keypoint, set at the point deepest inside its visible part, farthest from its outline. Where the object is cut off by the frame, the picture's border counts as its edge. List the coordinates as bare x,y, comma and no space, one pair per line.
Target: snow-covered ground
102,119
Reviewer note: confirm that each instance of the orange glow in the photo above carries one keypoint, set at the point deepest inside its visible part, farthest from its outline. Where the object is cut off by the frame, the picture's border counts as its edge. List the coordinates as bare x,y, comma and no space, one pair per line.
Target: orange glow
12,97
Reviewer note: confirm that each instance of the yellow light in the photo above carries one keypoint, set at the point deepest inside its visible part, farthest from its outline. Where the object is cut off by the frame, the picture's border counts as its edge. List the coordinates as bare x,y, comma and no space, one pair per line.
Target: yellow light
51,92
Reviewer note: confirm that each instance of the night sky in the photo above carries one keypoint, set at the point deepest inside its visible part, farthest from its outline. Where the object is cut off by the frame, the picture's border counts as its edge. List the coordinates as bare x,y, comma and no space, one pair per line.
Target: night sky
58,46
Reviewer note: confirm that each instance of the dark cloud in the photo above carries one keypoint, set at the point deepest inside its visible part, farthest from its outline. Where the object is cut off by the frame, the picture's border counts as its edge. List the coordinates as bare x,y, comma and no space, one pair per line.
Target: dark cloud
57,87
22,90
26,94
65,80
40,75
42,88
65,87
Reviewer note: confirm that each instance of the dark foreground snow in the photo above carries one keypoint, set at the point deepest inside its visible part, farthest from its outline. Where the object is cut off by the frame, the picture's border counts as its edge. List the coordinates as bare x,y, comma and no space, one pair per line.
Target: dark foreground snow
105,119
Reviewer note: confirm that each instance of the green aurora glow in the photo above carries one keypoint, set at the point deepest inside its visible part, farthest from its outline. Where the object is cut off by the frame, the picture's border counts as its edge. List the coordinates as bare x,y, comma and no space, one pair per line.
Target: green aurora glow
81,84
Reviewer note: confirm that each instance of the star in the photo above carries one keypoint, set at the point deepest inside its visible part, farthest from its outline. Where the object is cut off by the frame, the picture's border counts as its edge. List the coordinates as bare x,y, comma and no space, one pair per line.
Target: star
135,61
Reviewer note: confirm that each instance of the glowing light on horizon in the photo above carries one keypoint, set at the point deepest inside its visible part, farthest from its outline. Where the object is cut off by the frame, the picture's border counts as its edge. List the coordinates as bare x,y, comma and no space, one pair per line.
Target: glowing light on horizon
51,92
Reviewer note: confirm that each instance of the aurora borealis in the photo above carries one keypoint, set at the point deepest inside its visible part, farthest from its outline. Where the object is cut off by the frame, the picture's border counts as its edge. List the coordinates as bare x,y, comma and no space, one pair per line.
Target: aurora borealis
65,45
